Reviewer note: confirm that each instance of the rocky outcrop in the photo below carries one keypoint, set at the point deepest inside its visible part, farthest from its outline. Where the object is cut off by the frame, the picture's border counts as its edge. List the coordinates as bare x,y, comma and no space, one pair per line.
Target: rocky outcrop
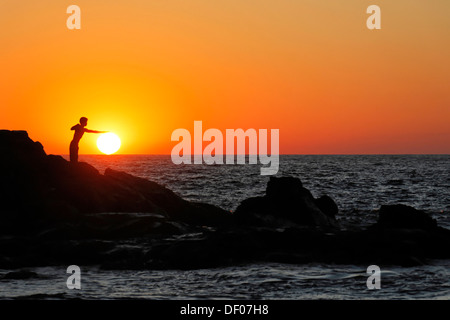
36,186
287,202
381,244
400,216
53,212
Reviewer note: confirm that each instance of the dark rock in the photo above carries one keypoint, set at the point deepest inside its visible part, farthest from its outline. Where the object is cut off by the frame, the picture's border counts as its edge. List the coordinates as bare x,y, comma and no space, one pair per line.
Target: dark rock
286,202
283,187
302,245
38,187
327,206
17,146
402,216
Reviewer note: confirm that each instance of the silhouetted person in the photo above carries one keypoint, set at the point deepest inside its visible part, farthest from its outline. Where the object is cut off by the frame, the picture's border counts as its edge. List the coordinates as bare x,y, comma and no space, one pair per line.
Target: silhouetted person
79,131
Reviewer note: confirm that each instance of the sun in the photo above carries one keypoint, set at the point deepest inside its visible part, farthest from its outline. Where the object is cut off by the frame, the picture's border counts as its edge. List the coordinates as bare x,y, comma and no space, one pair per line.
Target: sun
108,143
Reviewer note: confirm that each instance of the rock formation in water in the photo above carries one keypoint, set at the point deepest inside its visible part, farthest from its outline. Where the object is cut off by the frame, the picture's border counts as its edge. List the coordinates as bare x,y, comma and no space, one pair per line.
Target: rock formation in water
287,202
57,213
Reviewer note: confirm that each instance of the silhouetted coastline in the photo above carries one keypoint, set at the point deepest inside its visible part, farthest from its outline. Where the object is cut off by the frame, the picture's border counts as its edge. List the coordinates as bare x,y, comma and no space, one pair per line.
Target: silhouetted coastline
54,213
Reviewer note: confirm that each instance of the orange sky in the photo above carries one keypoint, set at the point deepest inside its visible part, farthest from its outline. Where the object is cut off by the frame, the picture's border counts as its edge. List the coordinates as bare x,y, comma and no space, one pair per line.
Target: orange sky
311,68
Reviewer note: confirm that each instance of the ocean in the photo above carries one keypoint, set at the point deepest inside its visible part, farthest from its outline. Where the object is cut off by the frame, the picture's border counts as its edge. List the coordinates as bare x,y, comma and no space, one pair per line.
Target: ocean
359,184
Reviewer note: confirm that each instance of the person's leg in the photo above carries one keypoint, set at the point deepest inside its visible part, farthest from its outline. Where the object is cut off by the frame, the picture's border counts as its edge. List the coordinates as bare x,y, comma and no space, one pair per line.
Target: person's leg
73,152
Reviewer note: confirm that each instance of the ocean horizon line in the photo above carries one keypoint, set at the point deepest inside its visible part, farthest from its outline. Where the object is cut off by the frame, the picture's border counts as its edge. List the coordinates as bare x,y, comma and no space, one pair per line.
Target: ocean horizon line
281,154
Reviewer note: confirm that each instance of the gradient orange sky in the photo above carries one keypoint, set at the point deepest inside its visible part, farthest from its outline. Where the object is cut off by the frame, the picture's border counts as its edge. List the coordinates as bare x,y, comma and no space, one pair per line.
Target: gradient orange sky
311,68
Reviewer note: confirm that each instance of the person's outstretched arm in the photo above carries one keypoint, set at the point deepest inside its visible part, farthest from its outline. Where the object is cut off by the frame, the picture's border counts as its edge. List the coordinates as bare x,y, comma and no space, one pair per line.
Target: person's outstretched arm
95,131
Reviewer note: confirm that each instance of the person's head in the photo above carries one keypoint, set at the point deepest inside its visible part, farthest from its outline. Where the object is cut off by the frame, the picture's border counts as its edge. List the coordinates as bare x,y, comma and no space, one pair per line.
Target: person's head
83,121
